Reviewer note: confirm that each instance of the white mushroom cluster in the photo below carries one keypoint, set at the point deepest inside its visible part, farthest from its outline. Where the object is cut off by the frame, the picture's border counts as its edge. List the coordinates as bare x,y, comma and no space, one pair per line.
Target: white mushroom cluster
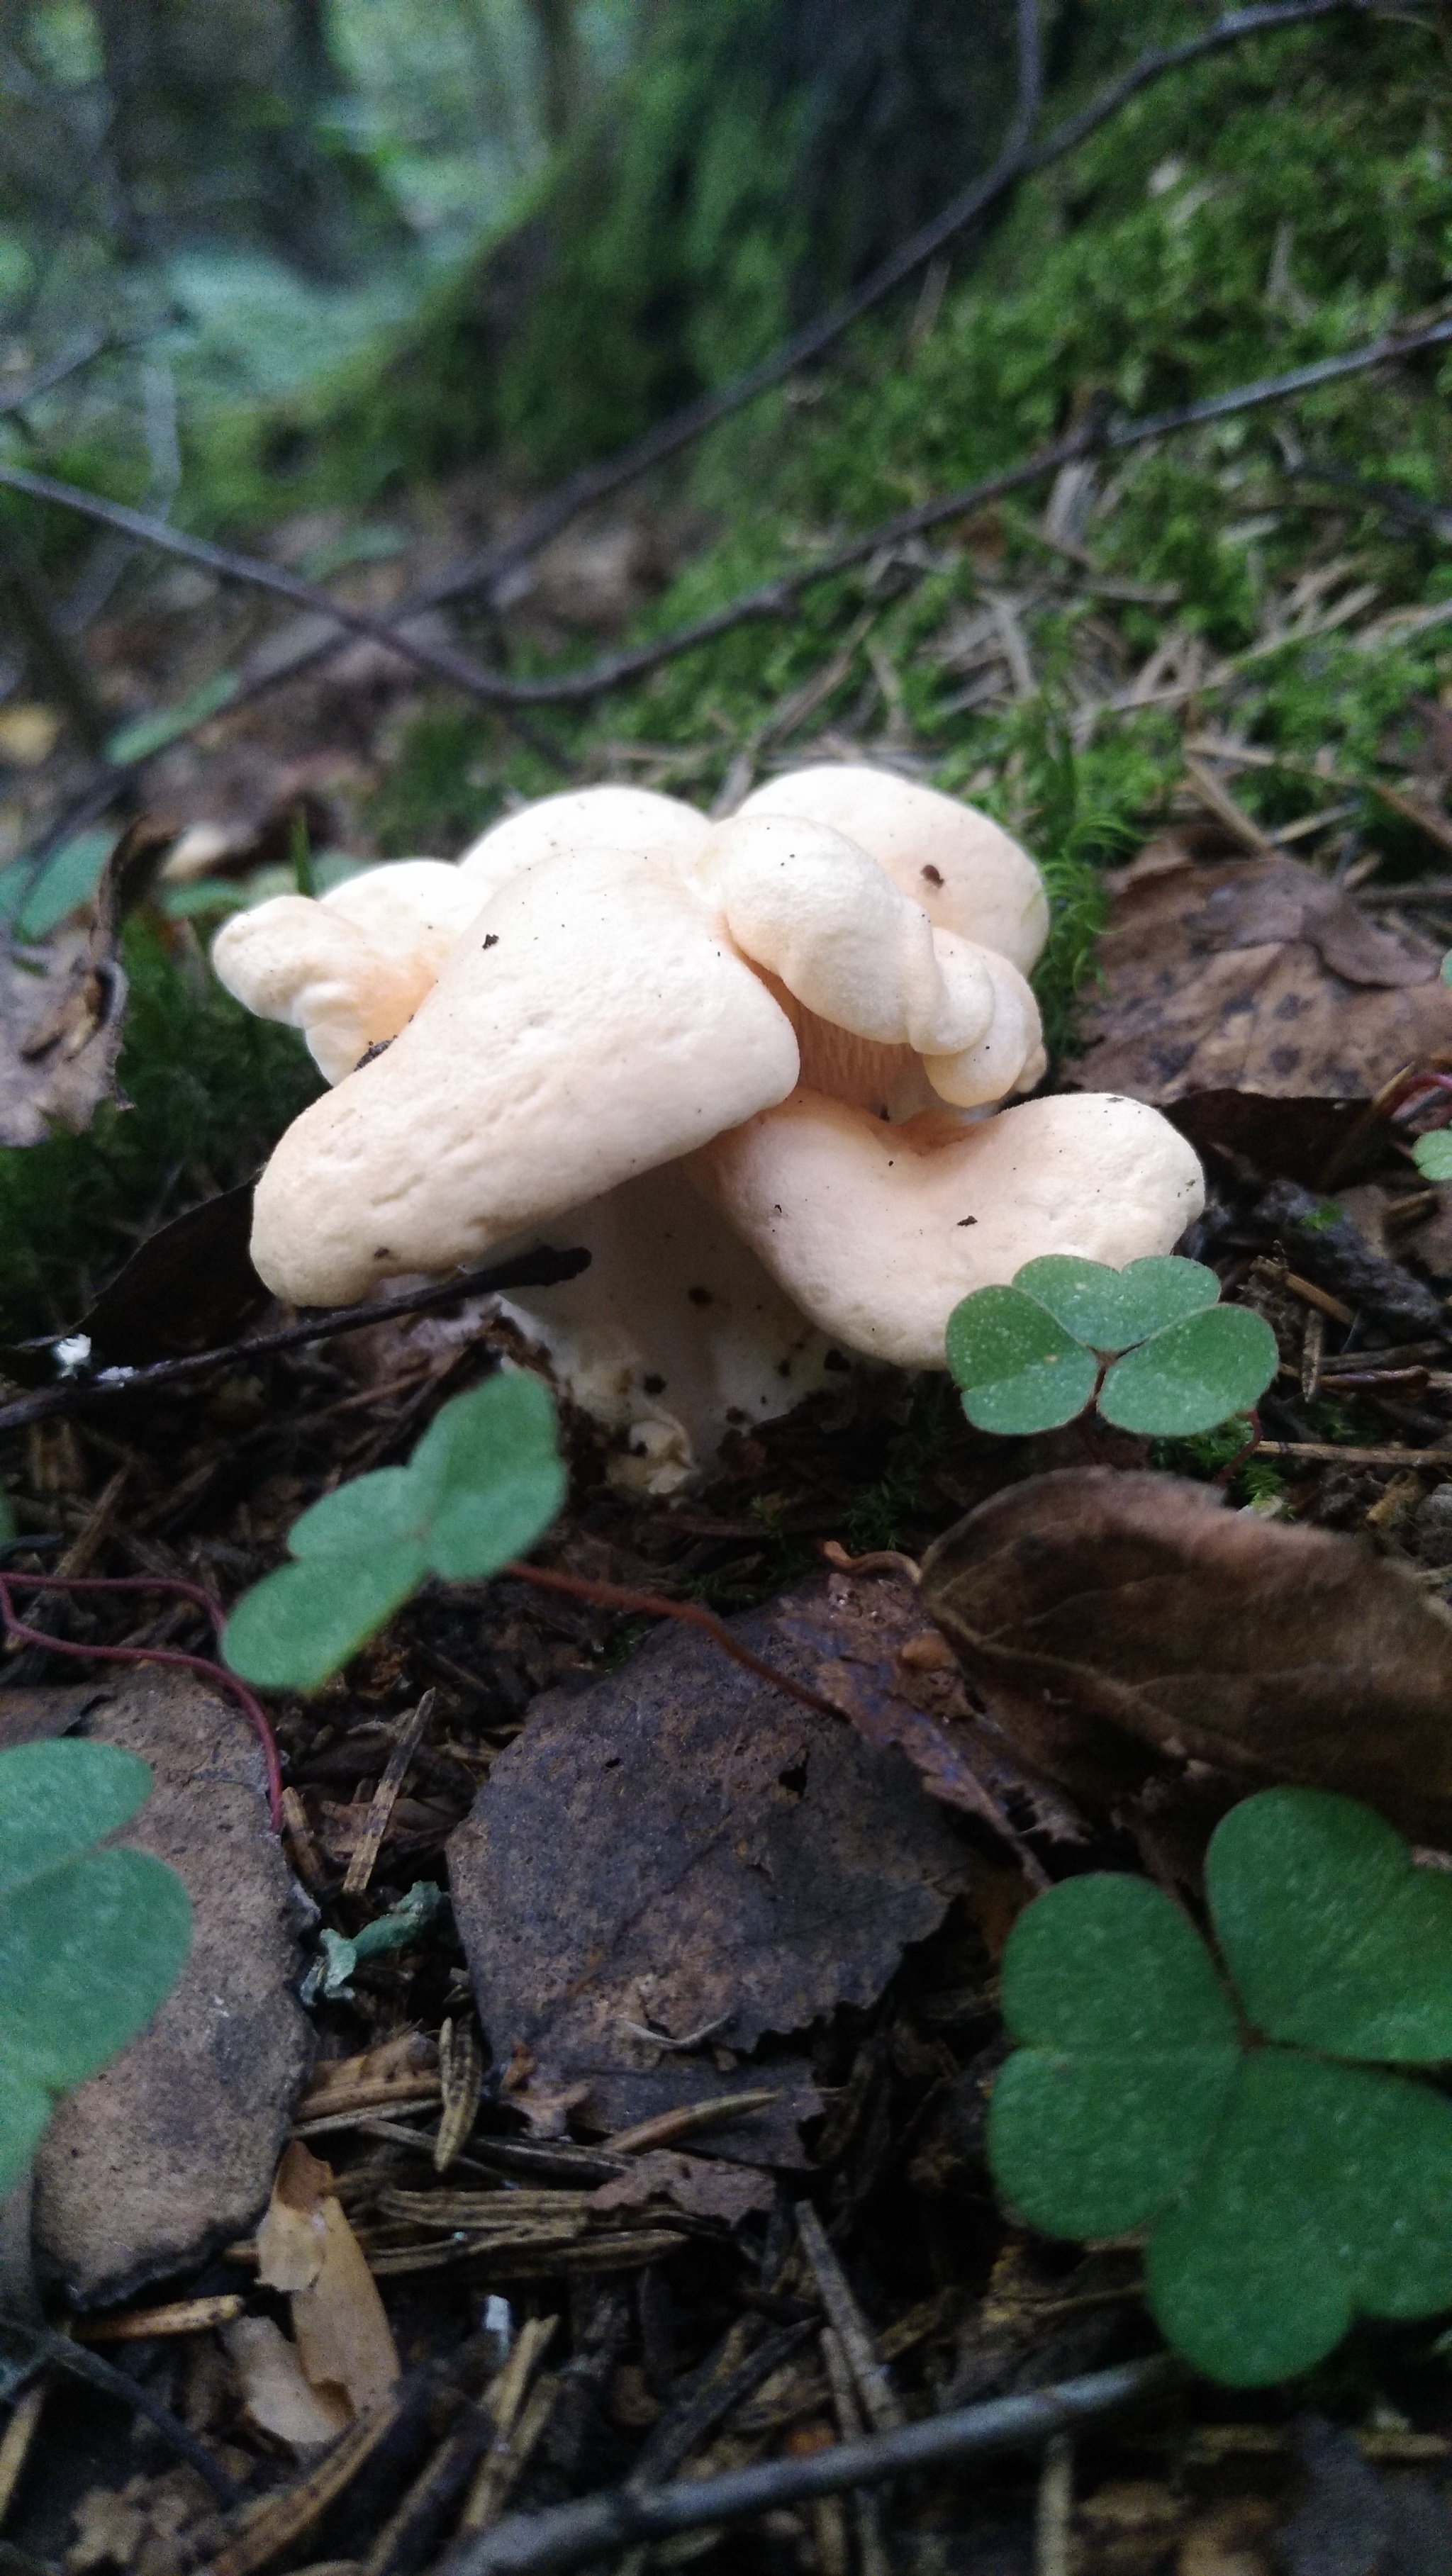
748,1065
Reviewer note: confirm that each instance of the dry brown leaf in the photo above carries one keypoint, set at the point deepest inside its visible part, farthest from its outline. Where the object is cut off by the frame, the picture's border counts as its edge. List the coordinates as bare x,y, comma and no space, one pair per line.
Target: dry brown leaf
1253,975
63,1000
1100,1613
306,2247
683,1847
293,2232
275,2390
703,2187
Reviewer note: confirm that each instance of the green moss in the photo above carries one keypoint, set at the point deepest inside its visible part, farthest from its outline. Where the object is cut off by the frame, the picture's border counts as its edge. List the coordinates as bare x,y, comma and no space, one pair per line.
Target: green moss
208,1089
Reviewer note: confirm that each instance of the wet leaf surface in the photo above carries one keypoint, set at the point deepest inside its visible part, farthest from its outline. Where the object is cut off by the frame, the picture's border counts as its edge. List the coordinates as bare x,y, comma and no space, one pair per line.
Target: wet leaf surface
684,1848
1120,1625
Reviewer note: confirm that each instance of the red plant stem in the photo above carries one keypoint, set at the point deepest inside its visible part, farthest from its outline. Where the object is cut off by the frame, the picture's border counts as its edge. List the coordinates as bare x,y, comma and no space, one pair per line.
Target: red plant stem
1413,1088
1257,1434
217,1674
615,1596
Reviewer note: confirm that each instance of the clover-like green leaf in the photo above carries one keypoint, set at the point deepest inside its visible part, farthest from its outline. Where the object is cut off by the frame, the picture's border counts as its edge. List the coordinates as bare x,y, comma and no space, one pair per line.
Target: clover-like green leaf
1094,2123
1333,1938
1285,2192
1016,1366
484,1482
91,1942
1193,1375
1433,1155
1323,2193
299,1625
493,1476
1110,1309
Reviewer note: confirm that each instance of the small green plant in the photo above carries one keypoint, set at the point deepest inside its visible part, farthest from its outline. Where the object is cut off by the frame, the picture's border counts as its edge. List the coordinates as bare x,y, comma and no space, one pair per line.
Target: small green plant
1433,1155
1244,2115
91,1941
1032,1356
483,1484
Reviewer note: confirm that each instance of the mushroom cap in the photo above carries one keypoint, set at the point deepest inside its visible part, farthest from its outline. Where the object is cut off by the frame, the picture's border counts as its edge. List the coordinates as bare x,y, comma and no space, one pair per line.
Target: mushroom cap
350,970
592,1022
877,1232
870,984
633,819
968,874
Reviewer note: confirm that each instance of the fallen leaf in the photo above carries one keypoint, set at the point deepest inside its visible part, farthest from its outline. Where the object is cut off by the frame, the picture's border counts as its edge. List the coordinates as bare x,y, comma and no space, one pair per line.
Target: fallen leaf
189,1287
1119,1626
1321,1241
171,2149
1253,975
275,2389
62,1003
293,2231
305,2246
704,2187
683,1846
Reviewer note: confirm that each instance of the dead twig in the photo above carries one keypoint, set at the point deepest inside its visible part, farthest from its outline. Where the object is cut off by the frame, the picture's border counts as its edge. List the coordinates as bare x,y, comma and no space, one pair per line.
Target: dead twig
66,2355
546,2544
542,1269
652,1605
385,1796
875,2392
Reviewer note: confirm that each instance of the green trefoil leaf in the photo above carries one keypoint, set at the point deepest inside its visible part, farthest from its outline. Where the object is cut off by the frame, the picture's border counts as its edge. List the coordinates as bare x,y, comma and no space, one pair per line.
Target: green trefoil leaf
1017,1367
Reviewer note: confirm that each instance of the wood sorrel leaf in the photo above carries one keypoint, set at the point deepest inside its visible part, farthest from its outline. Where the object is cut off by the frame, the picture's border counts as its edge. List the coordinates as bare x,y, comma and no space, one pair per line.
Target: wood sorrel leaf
91,1942
1195,1374
491,1475
305,1621
1324,2193
1132,2048
1433,1155
1110,1309
1333,1938
1017,1368
484,1482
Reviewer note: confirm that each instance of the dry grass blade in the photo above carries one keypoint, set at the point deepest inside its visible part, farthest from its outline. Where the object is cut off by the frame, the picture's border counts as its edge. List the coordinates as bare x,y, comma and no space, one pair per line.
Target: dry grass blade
277,2522
385,1798
16,2440
183,2317
879,2399
687,2122
461,2072
519,2412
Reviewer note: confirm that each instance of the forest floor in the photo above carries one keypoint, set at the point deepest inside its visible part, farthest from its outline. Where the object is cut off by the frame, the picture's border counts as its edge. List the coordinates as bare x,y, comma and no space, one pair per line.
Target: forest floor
1210,687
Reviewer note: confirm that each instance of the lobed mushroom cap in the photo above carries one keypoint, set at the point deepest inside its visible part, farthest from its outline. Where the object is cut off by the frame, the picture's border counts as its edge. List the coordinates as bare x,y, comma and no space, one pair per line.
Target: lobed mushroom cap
592,1022
635,819
968,874
350,970
876,1232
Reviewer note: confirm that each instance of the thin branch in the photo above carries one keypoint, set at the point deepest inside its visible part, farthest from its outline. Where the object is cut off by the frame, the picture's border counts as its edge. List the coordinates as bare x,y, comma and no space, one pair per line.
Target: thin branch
570,2535
442,661
69,363
654,1605
593,483
59,2350
1019,160
778,598
543,1268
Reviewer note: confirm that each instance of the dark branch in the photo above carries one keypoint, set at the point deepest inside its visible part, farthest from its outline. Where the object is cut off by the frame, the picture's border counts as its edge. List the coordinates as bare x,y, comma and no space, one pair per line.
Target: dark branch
544,1268
570,2535
46,378
443,661
1019,160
